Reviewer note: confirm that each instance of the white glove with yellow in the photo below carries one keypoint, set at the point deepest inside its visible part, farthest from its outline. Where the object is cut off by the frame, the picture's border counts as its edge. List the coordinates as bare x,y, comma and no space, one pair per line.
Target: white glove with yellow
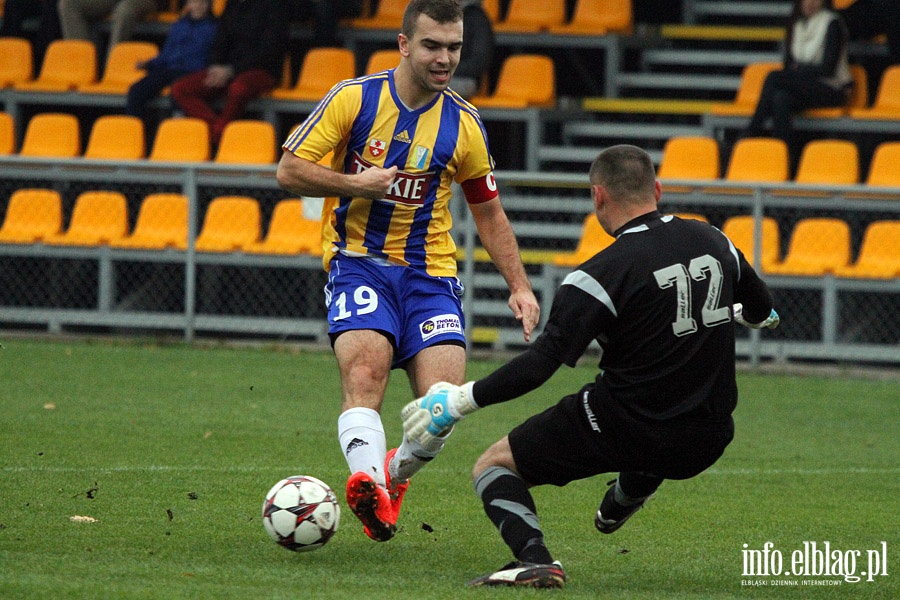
435,413
771,321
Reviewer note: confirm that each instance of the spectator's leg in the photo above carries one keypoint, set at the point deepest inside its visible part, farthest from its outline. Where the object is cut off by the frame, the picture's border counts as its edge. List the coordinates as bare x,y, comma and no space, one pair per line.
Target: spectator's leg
194,98
125,15
242,89
76,17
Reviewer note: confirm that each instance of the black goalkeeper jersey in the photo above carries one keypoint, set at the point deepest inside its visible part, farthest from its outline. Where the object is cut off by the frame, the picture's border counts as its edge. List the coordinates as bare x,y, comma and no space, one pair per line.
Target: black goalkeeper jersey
658,301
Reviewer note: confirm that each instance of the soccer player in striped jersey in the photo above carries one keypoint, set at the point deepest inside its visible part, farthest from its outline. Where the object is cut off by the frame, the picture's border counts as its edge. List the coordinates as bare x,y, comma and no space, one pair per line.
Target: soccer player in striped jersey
399,138
661,301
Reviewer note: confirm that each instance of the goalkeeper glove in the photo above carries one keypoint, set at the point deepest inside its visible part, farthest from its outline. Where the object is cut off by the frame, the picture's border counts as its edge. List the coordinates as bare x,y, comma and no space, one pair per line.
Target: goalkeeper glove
428,417
771,321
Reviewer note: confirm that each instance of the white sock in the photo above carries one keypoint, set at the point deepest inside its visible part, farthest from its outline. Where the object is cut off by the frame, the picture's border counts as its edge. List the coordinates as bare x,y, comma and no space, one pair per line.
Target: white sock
412,456
363,441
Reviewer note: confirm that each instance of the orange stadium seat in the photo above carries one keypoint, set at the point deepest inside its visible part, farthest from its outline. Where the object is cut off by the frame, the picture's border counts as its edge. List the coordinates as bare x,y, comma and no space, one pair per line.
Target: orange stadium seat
524,80
290,232
884,171
231,223
593,240
382,60
834,162
67,65
492,10
388,15
322,68
7,134
758,160
31,216
116,137
749,89
162,223
598,17
15,61
121,68
690,158
818,246
690,216
740,230
247,141
181,139
879,254
531,17
887,102
99,217
52,135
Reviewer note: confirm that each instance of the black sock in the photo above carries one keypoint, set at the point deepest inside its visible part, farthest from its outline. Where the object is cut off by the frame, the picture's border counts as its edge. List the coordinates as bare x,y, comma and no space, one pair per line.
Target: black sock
509,505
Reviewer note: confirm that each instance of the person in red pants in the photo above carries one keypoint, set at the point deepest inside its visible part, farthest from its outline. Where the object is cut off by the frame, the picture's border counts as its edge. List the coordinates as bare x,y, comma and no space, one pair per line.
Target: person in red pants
245,62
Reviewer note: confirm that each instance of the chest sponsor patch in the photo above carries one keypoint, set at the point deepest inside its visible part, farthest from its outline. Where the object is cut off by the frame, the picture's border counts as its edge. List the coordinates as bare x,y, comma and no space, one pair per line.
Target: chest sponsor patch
438,325
408,188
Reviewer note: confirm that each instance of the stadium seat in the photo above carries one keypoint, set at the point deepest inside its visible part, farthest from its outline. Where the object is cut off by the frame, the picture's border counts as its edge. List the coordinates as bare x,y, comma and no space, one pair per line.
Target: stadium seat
290,232
116,137
879,254
818,246
322,68
121,68
7,134
834,162
99,217
525,80
175,10
31,216
691,216
858,98
247,141
15,61
181,139
690,158
749,89
759,160
230,224
887,102
67,65
593,240
388,15
525,16
598,17
884,170
52,135
492,10
382,60
740,230
162,223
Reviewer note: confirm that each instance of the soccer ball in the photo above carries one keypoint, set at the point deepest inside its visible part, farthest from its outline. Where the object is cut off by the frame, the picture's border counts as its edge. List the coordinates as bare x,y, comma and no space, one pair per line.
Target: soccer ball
301,513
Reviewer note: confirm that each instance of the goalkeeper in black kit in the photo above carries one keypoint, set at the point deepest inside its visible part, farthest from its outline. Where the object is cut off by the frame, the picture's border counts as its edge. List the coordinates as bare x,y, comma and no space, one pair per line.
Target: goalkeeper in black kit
661,302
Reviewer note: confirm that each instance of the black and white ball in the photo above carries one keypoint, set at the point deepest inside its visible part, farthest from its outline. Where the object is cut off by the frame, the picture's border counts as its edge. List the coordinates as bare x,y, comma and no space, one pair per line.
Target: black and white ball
301,513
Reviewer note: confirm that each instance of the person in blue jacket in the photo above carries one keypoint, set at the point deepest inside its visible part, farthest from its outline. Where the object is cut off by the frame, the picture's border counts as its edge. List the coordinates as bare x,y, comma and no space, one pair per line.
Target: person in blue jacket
185,50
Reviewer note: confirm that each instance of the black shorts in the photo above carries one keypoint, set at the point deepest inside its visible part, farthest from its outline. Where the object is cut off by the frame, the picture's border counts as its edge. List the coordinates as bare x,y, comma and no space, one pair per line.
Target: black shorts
574,440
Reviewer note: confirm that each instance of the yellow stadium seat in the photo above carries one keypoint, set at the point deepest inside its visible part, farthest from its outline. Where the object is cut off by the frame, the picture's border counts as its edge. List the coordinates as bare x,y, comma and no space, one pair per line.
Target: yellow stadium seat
322,68
524,80
739,230
759,160
598,17
382,60
162,223
527,16
7,134
121,68
231,223
116,137
388,15
749,89
247,141
290,232
879,254
67,65
884,170
181,139
99,217
492,10
690,158
887,101
31,216
52,135
834,162
15,61
691,216
593,240
818,246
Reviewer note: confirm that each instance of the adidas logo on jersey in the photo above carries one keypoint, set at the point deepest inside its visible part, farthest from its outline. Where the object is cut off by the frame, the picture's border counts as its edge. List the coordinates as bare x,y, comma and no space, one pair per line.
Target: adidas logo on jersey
403,137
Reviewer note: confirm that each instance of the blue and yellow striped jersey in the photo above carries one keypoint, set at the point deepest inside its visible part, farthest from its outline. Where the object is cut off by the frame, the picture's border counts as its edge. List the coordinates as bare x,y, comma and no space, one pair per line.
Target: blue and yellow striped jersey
364,123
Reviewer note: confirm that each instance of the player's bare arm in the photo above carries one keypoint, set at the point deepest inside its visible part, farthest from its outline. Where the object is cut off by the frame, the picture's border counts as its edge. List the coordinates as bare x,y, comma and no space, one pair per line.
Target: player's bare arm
499,240
306,178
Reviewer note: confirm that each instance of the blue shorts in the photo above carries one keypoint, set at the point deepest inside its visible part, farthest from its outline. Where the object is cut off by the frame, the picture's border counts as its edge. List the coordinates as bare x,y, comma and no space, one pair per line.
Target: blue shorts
413,309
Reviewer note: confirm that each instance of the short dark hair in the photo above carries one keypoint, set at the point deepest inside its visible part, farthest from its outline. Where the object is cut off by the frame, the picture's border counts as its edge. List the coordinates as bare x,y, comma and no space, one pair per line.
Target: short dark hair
441,11
626,171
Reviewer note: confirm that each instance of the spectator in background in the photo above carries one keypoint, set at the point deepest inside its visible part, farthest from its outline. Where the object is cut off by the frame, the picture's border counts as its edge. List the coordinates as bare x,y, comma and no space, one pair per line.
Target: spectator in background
477,51
184,51
78,16
868,18
816,72
325,16
15,12
245,61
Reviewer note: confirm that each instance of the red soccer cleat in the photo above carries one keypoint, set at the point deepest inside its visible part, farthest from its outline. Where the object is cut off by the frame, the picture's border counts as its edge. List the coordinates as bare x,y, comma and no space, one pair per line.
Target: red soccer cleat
372,505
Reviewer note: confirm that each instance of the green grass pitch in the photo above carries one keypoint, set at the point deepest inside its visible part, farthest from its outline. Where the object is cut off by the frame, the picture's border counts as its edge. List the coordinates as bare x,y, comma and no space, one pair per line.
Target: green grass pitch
171,450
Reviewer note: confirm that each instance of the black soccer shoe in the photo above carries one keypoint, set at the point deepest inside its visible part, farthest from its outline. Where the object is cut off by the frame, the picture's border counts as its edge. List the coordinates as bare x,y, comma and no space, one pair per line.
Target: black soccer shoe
523,574
611,515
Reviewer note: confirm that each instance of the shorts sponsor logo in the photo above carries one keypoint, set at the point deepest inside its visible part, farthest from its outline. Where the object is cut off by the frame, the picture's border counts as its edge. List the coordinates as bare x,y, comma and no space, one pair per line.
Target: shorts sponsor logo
439,325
